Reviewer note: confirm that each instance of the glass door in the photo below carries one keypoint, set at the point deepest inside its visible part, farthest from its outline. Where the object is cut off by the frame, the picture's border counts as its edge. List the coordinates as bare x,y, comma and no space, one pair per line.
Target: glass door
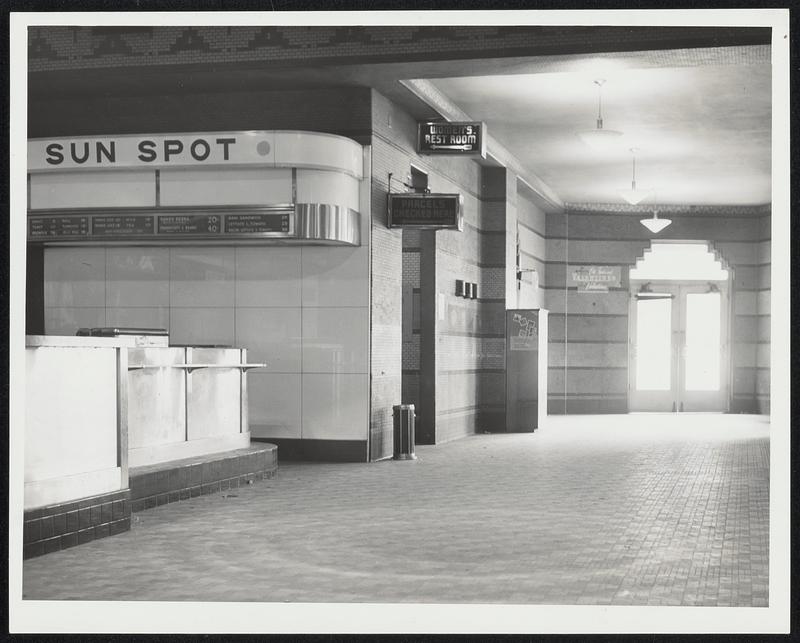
679,347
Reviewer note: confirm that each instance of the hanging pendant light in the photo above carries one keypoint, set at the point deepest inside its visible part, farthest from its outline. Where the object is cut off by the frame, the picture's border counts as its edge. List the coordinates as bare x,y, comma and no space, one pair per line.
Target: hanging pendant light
599,138
634,196
655,225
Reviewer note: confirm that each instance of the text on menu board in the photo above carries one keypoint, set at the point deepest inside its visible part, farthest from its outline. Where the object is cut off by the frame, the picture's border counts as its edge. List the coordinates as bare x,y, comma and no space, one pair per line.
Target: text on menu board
425,211
462,139
105,227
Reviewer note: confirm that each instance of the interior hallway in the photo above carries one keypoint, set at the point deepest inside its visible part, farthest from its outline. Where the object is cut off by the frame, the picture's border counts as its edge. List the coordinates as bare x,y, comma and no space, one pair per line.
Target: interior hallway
624,510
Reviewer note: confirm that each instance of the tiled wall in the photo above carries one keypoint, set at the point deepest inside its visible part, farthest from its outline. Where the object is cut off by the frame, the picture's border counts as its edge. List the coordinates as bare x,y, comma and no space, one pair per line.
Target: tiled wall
763,299
588,361
304,311
531,225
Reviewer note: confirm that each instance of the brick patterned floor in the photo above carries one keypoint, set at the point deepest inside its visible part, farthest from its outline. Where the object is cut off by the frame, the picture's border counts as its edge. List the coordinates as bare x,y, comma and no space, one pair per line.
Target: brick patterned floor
624,510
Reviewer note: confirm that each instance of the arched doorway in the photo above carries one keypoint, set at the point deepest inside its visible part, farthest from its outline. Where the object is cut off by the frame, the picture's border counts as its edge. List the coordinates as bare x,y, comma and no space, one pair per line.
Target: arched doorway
679,326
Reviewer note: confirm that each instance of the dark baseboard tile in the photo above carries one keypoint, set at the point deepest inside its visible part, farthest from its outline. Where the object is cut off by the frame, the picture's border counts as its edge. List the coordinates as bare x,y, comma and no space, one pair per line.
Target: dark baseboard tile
292,449
60,526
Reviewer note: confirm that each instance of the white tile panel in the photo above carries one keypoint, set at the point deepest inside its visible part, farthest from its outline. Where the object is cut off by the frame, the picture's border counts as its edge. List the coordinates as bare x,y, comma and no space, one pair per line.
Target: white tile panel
335,276
74,276
270,335
268,276
201,326
335,407
274,404
335,340
137,277
66,320
202,276
139,317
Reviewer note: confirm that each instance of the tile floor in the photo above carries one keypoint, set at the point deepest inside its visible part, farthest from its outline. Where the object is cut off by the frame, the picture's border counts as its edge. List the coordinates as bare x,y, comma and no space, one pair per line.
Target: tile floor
626,510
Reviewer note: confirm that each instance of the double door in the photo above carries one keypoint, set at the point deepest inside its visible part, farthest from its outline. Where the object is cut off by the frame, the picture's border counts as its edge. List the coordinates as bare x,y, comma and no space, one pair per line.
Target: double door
679,346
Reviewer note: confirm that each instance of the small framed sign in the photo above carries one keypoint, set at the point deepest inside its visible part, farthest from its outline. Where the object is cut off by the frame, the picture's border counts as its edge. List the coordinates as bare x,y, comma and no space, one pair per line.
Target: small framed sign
594,278
458,139
407,210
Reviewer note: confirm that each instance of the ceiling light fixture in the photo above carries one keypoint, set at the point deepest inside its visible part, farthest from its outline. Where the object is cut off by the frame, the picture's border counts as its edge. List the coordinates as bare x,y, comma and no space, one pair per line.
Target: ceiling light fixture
634,196
655,225
599,138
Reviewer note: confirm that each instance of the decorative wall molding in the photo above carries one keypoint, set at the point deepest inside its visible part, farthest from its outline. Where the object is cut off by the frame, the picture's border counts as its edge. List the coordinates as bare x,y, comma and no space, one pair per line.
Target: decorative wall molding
81,47
763,210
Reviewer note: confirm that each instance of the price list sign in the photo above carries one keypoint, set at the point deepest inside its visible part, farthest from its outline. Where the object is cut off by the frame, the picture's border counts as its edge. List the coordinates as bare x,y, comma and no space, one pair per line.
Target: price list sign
277,224
189,224
127,225
57,227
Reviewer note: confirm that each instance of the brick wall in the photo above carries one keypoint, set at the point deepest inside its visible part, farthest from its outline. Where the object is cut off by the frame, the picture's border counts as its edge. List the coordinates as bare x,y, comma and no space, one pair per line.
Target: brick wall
588,339
464,362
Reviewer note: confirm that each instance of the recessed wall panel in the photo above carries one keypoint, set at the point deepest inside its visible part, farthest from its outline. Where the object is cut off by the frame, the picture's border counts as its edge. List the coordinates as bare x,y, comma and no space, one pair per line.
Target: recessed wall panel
256,186
109,189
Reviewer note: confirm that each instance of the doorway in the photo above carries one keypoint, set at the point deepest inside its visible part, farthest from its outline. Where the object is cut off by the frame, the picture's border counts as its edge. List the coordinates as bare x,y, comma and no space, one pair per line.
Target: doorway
679,349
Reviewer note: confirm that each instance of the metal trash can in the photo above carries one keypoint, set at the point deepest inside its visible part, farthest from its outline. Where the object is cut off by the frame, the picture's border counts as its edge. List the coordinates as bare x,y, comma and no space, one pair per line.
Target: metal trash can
404,417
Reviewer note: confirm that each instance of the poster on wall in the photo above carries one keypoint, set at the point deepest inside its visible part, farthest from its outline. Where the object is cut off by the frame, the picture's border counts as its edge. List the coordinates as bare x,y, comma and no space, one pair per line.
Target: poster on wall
594,278
523,332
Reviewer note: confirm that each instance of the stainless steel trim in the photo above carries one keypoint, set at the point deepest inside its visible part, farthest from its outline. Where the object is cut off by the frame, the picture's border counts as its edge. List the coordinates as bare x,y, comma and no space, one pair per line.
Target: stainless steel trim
323,222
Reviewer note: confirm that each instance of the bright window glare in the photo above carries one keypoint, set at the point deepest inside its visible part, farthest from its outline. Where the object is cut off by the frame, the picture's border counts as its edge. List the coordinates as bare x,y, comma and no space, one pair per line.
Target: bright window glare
679,261
702,341
653,344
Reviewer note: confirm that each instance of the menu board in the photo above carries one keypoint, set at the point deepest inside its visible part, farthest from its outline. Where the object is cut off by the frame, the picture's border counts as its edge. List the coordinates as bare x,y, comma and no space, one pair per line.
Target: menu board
122,225
57,227
257,223
155,227
189,224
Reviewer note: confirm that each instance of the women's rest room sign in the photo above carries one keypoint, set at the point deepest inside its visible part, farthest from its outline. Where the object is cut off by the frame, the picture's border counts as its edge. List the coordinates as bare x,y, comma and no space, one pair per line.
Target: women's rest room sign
594,278
151,150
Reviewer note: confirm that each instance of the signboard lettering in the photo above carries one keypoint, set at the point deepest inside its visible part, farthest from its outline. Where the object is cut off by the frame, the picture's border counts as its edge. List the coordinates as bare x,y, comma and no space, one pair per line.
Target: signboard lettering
594,278
258,223
462,139
150,150
57,227
122,225
189,224
425,211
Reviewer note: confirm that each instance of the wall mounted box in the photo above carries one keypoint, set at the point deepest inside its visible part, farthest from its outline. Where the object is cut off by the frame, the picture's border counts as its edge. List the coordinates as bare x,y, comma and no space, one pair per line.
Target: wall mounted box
426,211
454,138
526,369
